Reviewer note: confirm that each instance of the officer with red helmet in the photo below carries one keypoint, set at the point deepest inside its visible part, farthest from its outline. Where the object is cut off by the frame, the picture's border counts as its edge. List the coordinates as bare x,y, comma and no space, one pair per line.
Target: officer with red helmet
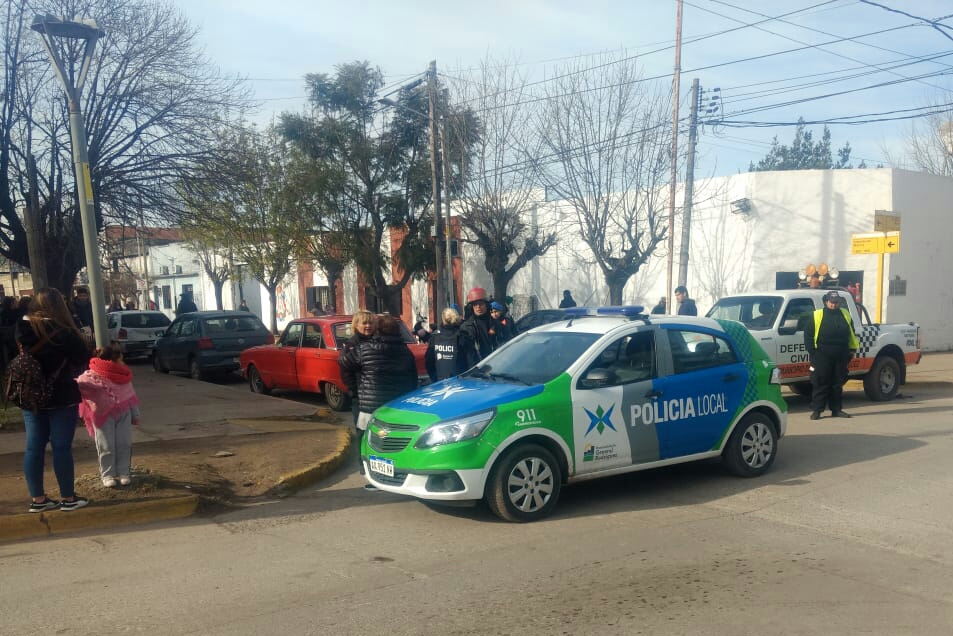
478,325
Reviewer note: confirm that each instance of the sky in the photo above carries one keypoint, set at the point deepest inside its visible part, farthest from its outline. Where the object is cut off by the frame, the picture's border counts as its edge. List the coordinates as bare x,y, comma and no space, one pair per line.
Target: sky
773,60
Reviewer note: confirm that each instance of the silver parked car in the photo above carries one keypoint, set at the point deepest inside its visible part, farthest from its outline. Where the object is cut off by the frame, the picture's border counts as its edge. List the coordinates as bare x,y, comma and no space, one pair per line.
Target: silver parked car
136,331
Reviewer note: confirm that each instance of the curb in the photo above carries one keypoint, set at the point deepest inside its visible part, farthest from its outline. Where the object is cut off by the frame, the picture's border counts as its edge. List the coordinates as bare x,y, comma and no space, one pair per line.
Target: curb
45,524
295,480
33,525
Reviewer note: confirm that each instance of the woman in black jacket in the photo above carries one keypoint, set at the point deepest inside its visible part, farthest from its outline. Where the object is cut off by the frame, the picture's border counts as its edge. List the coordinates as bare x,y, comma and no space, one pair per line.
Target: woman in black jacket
49,334
384,366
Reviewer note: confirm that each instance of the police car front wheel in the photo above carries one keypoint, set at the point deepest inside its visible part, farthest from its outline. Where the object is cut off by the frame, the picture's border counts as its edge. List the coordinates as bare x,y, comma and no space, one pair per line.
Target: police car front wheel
753,446
525,484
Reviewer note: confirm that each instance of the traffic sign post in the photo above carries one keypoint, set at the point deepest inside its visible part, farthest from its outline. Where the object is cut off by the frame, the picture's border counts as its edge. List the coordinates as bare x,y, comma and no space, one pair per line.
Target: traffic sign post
879,243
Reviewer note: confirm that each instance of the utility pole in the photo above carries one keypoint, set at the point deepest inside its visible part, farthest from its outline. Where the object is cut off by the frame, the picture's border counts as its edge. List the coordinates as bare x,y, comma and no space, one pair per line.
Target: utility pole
445,162
689,188
34,233
671,187
438,283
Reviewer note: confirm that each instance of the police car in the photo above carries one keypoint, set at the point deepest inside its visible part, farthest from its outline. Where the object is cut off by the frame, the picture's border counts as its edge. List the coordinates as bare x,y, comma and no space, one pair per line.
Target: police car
603,391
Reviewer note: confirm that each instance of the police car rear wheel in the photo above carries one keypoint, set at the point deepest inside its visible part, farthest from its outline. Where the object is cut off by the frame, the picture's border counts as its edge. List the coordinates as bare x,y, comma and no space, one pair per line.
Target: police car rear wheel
752,447
525,484
883,381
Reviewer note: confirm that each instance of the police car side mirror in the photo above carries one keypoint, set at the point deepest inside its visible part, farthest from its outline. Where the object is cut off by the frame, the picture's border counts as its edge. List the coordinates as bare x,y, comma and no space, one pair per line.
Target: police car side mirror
598,378
788,327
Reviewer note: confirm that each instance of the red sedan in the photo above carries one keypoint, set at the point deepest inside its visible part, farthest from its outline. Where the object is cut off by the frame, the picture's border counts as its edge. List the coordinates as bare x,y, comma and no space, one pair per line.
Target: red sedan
305,358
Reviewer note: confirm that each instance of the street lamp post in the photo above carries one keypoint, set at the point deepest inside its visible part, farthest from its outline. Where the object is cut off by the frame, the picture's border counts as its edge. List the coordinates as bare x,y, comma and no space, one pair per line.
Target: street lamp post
48,27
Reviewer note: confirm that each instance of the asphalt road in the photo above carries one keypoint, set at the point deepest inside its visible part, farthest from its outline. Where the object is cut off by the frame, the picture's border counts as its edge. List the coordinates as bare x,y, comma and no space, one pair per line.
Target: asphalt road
850,533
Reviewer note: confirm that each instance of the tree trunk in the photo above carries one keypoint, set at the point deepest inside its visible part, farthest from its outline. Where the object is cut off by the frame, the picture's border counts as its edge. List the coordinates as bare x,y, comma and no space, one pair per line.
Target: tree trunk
273,297
500,284
615,290
218,284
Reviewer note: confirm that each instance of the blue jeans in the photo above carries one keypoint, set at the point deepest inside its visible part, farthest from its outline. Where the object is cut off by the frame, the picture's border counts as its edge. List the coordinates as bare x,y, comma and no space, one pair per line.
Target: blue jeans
56,427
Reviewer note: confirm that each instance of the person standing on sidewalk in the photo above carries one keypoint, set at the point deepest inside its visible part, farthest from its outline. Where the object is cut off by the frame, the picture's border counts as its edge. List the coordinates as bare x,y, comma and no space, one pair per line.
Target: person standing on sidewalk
448,349
686,306
49,334
362,329
110,409
385,368
830,341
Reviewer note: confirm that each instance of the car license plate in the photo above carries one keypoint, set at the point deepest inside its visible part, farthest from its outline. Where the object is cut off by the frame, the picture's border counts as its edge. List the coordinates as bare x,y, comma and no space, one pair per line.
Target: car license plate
381,465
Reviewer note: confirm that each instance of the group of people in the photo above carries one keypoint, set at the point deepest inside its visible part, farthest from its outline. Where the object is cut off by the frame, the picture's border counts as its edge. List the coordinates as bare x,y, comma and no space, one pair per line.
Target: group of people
70,380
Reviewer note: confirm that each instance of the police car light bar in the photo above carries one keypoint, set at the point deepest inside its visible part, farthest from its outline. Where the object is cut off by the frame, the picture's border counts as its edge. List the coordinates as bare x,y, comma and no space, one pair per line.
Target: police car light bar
627,311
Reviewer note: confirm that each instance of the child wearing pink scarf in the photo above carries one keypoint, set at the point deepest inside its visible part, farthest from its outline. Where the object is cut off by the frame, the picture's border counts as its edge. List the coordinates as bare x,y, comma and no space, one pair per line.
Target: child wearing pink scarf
110,408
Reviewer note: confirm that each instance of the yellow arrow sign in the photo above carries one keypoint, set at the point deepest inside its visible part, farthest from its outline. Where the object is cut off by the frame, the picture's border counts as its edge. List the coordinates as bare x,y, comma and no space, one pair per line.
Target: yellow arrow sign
876,243
892,242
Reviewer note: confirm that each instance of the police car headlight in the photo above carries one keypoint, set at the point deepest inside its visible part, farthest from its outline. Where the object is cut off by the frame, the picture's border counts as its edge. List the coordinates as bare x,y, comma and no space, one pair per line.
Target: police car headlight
456,430
775,376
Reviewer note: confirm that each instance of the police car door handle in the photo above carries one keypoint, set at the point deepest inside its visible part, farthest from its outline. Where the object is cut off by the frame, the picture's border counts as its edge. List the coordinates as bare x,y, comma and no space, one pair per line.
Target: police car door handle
730,377
653,394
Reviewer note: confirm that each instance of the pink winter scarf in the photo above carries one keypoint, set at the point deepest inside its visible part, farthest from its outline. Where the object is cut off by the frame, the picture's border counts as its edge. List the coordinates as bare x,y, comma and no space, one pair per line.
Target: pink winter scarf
107,391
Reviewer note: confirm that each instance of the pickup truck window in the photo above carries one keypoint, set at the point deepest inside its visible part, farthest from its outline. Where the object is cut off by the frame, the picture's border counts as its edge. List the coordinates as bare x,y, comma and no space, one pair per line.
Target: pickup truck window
796,315
754,312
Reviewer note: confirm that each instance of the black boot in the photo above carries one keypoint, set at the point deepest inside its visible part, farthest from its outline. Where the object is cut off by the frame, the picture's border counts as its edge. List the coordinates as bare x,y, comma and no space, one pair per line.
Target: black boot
841,414
816,415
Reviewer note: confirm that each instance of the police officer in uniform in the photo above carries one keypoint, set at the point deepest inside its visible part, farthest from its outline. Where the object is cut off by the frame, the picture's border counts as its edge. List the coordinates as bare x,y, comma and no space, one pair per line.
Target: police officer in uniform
448,348
830,341
478,325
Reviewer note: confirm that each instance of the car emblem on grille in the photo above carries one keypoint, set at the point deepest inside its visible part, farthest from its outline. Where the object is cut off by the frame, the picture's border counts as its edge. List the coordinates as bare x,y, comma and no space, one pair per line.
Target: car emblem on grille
241,341
382,433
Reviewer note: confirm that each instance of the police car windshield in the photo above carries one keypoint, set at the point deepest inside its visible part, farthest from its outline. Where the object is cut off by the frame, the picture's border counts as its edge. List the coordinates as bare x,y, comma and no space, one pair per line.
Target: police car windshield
535,358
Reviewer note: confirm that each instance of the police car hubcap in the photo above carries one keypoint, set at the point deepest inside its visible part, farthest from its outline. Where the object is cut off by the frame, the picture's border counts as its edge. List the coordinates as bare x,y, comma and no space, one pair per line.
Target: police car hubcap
530,484
757,445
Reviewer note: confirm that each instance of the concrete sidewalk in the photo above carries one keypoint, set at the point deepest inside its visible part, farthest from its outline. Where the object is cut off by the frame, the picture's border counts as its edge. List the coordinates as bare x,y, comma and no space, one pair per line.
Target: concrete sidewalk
178,414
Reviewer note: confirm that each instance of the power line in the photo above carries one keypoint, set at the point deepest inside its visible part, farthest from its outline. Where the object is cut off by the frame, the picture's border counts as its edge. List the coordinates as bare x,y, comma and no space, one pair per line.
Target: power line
818,47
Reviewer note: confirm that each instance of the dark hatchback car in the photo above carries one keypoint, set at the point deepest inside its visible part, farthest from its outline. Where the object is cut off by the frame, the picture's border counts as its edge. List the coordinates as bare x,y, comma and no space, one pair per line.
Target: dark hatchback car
204,343
540,317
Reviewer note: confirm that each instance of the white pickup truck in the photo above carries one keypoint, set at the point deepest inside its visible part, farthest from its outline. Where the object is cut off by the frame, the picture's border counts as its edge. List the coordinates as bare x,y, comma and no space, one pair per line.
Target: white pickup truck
776,320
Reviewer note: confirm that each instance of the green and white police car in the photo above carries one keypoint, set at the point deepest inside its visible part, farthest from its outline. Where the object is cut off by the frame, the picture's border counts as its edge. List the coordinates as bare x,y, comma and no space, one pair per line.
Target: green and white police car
602,392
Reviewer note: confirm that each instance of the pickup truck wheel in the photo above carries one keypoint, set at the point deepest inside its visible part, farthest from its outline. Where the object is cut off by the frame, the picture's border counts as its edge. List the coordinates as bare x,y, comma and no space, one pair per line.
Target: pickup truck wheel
752,447
336,398
802,388
883,381
525,484
255,383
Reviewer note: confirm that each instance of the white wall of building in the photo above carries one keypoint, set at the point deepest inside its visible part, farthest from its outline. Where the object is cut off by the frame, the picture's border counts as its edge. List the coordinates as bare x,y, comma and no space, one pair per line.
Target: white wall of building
795,218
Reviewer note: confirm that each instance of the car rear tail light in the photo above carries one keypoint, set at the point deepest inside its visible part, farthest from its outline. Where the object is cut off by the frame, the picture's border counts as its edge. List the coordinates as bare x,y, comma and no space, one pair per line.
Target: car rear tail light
123,334
206,343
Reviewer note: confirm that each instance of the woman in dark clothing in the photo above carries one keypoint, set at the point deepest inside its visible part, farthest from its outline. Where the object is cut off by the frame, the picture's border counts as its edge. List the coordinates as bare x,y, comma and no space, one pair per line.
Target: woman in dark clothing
384,367
362,329
49,335
448,350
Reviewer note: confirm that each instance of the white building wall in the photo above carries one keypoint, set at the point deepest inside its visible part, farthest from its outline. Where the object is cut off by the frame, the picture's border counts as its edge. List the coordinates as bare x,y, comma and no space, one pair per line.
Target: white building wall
795,218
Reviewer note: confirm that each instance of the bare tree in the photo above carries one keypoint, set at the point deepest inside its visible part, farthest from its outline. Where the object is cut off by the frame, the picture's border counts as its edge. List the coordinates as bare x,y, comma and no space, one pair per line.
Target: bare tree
498,188
243,200
927,145
608,135
212,253
151,104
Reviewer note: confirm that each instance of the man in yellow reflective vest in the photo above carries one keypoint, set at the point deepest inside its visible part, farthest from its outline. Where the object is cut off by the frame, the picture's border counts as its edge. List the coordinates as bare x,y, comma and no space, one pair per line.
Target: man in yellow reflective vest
830,341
